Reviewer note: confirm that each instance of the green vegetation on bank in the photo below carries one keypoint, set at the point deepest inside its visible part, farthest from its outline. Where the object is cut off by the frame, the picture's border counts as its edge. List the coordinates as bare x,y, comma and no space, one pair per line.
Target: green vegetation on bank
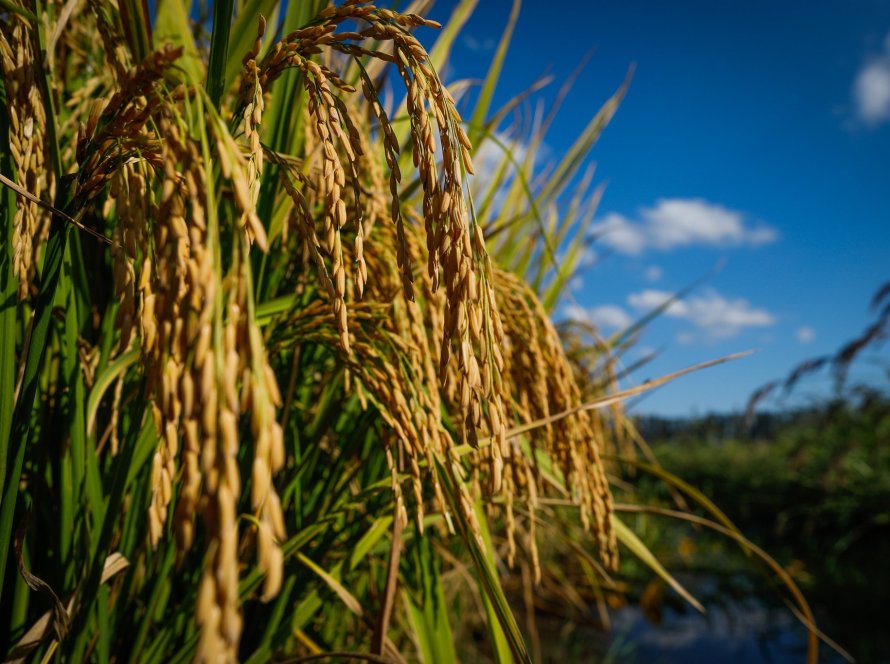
811,486
825,470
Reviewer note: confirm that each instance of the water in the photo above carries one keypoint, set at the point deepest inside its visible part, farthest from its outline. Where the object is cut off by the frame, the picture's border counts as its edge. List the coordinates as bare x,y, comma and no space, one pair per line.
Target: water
743,631
745,623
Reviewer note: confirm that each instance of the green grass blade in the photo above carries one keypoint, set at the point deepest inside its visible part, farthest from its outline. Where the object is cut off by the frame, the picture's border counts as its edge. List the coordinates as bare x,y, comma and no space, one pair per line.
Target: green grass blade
243,35
104,381
151,607
125,465
172,27
375,533
483,103
504,254
219,50
137,27
428,612
635,545
8,296
283,602
74,460
488,580
333,582
502,644
21,11
103,640
21,597
43,311
267,310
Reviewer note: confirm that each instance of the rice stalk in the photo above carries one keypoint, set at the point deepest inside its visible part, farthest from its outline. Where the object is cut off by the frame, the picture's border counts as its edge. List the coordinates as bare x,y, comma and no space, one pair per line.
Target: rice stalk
28,144
235,269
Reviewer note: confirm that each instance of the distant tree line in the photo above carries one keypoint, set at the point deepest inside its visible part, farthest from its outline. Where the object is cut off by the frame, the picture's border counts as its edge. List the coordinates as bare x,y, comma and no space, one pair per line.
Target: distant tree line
764,425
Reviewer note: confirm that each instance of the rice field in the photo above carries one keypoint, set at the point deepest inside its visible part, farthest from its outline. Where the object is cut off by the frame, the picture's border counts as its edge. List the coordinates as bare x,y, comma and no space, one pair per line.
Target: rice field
279,378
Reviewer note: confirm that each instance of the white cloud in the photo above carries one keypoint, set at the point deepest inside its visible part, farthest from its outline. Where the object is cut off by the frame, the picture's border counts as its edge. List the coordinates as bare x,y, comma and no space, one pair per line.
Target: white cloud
620,234
712,313
653,273
680,222
871,89
607,316
805,334
652,299
589,257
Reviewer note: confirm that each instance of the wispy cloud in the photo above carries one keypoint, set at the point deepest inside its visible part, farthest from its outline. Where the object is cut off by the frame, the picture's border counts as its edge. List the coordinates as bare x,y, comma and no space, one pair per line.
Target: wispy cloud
805,334
713,314
477,45
871,88
680,222
605,317
653,273
576,283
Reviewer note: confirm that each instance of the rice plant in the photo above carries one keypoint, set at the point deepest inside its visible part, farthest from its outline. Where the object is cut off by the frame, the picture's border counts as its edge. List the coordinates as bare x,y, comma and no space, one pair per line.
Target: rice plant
267,374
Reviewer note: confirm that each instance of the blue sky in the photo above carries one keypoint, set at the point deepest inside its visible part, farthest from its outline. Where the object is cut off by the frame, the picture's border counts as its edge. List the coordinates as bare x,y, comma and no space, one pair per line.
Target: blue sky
755,135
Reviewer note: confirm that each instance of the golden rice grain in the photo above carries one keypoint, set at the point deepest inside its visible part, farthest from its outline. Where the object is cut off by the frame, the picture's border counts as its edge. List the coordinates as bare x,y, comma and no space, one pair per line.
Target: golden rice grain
20,66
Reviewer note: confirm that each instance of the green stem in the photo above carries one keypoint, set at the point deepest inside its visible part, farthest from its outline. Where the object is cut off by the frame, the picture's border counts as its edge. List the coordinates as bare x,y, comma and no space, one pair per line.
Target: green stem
219,48
15,9
8,297
52,265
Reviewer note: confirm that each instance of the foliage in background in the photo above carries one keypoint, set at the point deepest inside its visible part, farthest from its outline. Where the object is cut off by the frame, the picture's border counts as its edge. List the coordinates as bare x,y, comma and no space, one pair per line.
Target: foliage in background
812,485
831,468
813,488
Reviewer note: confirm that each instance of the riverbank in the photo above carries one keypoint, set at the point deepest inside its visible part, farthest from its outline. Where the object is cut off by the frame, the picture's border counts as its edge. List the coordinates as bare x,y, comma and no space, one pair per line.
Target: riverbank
814,492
